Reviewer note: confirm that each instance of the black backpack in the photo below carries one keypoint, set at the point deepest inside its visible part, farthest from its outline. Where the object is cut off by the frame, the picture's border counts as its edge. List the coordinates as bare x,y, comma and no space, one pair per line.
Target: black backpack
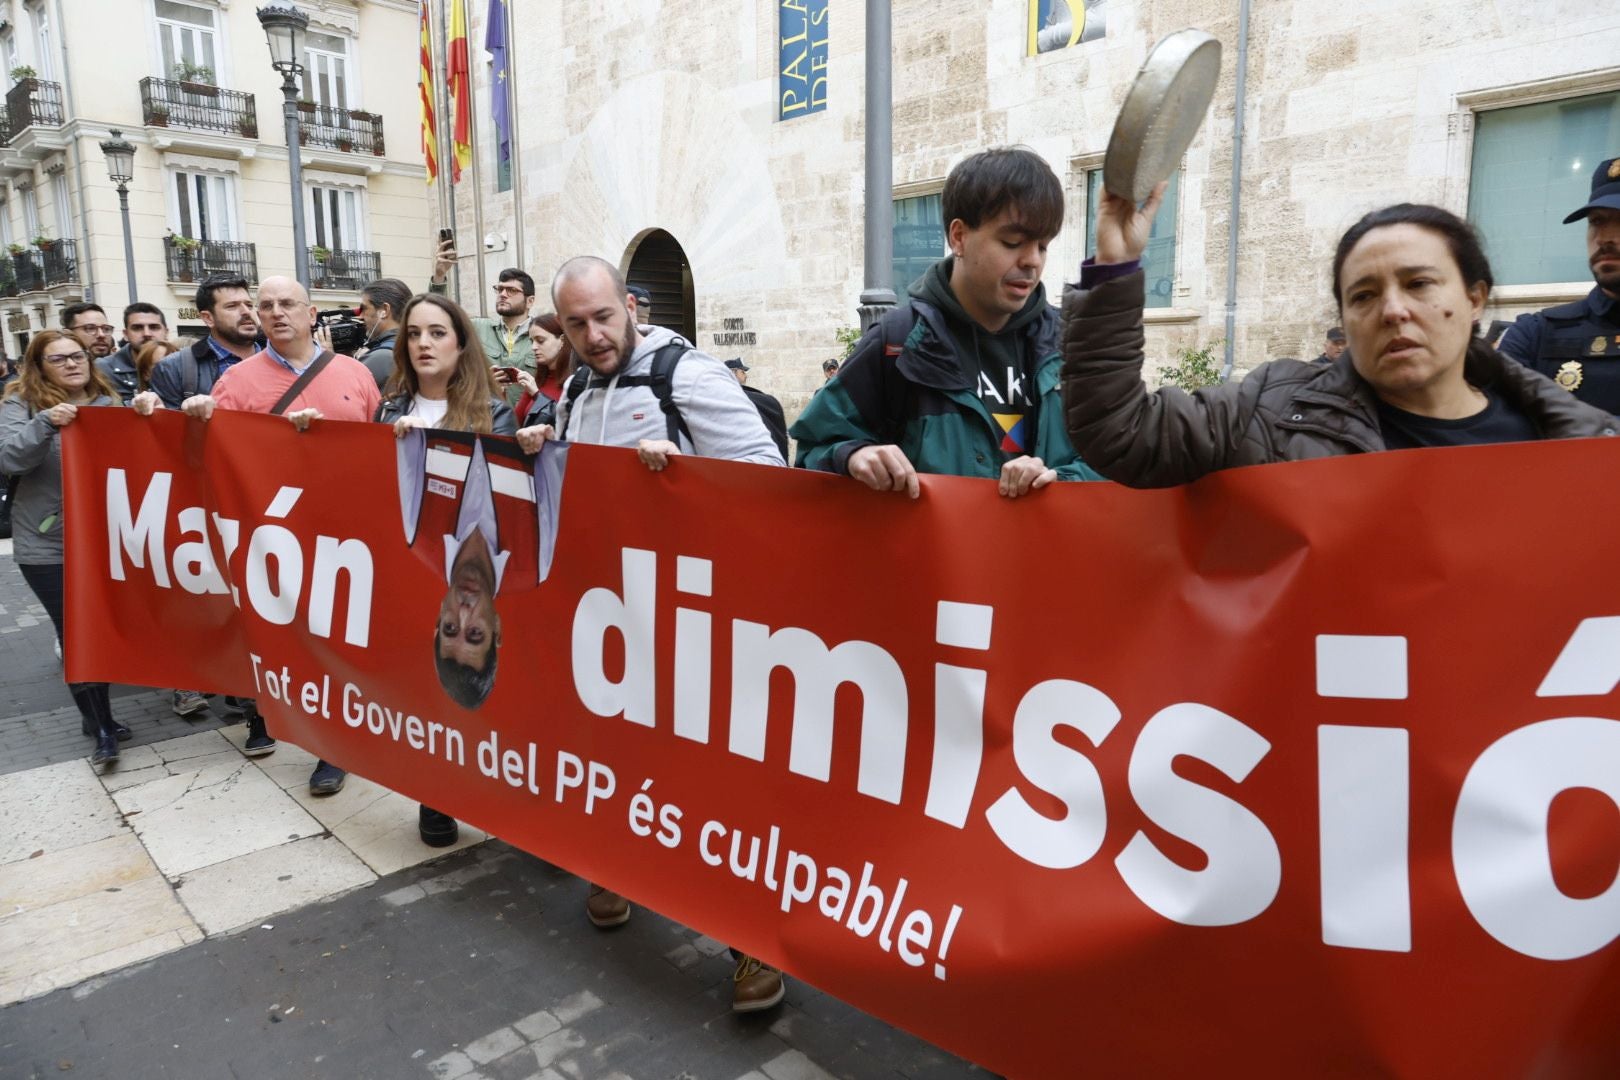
660,378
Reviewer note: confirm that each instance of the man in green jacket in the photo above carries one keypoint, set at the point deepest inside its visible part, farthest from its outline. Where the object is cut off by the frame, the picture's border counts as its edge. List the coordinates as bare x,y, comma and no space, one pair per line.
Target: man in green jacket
505,338
960,379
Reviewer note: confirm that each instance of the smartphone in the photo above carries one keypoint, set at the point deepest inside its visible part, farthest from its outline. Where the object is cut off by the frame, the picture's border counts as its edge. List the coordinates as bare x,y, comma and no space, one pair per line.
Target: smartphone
446,234
507,374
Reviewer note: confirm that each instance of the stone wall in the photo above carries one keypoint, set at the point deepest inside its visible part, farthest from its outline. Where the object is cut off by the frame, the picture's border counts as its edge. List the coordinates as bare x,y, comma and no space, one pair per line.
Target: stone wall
652,114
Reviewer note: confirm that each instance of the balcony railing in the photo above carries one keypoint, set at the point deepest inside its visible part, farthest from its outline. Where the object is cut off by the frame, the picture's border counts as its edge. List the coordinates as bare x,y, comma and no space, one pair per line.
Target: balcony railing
352,131
339,269
8,277
187,263
33,102
61,263
5,127
198,106
30,274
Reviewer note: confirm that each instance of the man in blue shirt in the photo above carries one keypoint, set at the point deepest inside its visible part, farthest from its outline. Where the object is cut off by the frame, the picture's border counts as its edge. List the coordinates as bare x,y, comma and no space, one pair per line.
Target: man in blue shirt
226,308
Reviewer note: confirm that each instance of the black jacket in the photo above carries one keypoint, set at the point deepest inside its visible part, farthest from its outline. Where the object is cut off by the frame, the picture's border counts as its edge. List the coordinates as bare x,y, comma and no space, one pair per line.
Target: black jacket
501,420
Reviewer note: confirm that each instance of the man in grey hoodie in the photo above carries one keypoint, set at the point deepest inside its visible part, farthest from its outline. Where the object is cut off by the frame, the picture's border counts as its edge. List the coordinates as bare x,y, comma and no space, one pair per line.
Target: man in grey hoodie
617,406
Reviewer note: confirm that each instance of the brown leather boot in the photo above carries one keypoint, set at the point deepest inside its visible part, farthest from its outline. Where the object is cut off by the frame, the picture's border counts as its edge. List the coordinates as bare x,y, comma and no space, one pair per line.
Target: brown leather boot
606,909
755,985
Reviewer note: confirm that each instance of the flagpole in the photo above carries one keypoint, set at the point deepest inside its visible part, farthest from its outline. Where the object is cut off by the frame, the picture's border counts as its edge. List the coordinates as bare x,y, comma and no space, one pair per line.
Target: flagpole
477,173
512,113
443,128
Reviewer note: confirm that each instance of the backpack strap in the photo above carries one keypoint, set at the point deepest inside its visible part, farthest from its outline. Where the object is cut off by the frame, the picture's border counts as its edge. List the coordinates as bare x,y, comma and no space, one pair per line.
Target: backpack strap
895,326
190,378
576,386
662,381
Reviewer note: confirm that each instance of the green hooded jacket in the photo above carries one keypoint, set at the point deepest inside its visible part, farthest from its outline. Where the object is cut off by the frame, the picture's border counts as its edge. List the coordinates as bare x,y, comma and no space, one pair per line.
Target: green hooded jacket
913,381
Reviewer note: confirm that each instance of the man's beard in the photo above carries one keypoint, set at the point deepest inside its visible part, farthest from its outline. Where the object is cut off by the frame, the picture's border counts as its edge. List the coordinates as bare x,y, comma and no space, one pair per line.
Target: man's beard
230,335
626,347
1608,281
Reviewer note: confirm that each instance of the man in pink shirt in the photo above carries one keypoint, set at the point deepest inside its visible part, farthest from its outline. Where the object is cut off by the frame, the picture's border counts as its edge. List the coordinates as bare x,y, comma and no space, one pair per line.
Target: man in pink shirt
341,389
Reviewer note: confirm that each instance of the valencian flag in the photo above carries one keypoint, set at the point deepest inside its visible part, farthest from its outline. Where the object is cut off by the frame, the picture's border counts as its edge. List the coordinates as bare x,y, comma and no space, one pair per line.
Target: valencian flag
500,91
424,84
460,75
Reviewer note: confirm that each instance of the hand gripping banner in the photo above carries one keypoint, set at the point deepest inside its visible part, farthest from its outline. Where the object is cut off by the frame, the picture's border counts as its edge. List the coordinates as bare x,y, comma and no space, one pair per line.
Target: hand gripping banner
1299,769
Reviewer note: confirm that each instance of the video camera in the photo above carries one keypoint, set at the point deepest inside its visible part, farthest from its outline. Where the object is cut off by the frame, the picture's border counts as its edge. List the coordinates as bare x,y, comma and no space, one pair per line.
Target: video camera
348,332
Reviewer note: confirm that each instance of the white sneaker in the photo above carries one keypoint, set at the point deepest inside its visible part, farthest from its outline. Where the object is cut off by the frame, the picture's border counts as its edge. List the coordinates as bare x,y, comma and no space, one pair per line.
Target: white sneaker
58,650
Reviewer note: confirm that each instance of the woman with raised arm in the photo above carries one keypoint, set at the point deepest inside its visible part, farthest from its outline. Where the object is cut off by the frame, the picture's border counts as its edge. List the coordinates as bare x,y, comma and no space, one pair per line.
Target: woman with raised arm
1410,282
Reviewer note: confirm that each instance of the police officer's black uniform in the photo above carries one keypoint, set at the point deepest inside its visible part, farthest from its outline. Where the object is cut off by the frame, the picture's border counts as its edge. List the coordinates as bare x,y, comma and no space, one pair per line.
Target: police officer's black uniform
1577,345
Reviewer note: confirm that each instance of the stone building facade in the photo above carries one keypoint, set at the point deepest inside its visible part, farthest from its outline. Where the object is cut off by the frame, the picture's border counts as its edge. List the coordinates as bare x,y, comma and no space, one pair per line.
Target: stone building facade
653,118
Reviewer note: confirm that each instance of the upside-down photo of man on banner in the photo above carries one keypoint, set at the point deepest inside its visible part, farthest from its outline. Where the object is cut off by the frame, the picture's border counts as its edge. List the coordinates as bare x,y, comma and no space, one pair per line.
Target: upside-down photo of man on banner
1304,769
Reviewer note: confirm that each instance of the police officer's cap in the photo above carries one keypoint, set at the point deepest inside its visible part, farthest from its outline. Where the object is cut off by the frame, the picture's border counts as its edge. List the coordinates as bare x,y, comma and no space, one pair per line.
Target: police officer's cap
1605,190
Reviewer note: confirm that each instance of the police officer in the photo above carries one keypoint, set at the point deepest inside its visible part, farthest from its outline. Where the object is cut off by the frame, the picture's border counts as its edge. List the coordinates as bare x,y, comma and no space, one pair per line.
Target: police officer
1578,345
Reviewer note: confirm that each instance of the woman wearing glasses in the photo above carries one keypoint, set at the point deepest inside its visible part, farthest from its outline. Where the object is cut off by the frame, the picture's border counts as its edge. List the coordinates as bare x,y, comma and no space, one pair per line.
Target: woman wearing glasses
57,380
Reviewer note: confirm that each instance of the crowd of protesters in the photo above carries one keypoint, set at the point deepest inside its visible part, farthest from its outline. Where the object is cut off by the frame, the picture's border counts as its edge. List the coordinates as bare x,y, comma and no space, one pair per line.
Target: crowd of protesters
975,373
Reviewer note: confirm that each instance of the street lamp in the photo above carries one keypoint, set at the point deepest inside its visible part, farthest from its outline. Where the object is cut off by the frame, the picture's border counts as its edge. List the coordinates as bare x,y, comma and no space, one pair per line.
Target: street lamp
284,29
120,155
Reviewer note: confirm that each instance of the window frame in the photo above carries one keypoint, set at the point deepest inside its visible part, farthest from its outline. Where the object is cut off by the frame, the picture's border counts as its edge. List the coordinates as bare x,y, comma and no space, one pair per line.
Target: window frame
351,69
342,187
921,189
231,197
222,52
63,206
1083,169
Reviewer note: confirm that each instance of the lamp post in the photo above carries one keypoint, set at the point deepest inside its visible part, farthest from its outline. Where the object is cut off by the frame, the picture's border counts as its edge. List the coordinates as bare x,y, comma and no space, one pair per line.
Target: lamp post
284,29
878,296
120,155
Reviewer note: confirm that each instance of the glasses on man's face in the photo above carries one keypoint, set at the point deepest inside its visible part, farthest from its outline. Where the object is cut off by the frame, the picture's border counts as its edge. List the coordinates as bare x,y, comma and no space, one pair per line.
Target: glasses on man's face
103,328
64,359
508,290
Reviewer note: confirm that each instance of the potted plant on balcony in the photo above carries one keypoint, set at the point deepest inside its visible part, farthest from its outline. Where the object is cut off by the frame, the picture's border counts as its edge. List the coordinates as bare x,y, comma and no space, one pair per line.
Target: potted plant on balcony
185,262
157,115
44,243
17,249
345,143
318,255
248,126
22,75
196,79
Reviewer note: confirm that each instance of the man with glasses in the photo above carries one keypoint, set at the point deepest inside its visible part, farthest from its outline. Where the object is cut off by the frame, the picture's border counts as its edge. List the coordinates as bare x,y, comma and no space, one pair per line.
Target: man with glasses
505,338
90,322
340,389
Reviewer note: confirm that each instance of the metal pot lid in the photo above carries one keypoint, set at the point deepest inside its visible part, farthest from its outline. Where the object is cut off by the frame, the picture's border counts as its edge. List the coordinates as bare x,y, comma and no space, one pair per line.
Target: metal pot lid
1162,113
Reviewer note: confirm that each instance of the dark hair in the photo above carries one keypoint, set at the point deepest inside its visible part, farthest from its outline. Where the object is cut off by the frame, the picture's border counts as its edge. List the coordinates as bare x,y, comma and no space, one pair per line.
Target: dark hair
1466,250
1459,236
512,273
213,284
467,686
388,290
73,311
141,307
981,186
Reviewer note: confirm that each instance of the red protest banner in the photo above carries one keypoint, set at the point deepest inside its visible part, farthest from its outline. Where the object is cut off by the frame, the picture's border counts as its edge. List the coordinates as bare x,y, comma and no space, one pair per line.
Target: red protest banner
1301,769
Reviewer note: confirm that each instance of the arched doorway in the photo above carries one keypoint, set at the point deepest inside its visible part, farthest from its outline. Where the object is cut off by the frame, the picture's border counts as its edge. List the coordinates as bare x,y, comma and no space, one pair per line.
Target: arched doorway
658,264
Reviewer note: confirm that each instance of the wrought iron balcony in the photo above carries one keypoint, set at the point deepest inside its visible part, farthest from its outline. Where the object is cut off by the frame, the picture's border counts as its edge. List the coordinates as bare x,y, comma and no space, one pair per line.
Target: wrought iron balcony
30,274
33,103
8,276
5,127
338,269
191,260
352,131
199,107
60,262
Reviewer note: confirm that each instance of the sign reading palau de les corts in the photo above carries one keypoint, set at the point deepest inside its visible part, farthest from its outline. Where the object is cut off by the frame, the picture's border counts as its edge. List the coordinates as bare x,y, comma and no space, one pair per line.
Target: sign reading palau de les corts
801,57
1303,768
